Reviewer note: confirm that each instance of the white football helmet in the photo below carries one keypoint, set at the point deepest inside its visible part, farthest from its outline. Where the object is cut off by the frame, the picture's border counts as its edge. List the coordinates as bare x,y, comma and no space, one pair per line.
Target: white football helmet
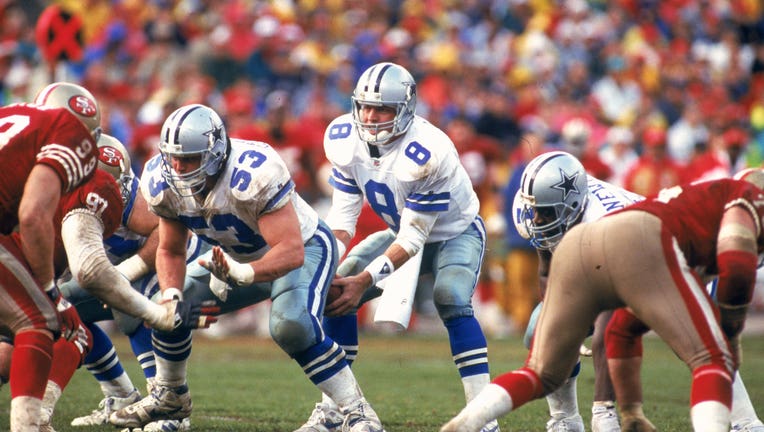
553,195
385,84
193,131
751,175
77,99
114,159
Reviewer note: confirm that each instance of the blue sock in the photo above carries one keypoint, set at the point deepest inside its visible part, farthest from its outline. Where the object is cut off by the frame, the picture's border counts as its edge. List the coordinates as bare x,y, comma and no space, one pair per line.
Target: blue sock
102,361
468,346
322,360
175,346
344,331
140,342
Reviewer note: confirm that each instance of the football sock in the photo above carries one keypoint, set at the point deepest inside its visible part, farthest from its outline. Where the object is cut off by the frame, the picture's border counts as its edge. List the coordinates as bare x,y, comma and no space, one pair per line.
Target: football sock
103,362
468,346
322,361
344,331
140,342
563,402
342,388
742,408
30,364
171,351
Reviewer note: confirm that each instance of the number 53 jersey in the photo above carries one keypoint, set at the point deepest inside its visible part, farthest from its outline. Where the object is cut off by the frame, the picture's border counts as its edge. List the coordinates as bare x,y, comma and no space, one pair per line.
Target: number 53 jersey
254,182
420,172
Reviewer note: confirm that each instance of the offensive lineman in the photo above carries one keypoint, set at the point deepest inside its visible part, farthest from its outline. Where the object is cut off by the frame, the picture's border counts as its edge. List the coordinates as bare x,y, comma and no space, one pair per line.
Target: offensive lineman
409,172
650,250
238,196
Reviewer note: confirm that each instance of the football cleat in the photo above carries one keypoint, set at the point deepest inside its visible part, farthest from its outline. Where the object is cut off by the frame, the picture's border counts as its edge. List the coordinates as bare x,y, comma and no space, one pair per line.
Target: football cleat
566,424
163,403
605,419
324,418
491,427
361,418
107,406
164,426
747,425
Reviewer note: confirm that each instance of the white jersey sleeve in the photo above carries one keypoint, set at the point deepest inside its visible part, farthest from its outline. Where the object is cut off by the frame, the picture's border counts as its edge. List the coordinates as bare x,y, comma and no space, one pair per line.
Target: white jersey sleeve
419,173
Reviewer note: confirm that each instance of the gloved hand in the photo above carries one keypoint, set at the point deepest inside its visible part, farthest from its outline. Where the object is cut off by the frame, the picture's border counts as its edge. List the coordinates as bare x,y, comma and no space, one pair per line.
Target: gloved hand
67,314
227,269
186,315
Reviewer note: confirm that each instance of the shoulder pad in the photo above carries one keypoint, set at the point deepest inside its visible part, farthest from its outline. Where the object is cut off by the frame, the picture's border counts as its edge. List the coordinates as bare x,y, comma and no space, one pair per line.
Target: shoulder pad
155,189
341,141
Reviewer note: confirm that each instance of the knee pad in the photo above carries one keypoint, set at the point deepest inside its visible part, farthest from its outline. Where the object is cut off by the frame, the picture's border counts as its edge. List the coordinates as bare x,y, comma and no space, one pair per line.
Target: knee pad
293,335
452,292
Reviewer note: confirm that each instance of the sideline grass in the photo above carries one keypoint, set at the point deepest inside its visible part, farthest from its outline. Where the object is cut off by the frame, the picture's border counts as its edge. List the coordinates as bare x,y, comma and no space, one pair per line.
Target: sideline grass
248,384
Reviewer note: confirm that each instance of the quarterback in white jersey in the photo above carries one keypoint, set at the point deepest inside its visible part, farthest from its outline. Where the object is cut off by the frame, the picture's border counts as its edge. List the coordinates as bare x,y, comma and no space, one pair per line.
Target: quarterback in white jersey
409,172
268,243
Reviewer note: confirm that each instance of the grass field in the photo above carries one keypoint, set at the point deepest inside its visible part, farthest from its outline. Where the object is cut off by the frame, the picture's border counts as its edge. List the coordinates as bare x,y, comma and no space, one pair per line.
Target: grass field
247,384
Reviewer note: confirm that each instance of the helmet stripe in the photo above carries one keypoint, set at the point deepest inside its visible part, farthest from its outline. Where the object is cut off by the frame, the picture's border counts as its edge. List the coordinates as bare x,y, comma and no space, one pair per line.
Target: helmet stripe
538,167
378,83
177,123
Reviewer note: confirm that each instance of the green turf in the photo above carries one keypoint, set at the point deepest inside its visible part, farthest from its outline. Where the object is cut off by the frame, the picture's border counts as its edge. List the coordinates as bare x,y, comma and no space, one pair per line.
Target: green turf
247,384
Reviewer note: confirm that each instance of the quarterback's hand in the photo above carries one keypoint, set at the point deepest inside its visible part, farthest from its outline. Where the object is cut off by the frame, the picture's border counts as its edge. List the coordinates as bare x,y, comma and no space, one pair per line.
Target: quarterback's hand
227,269
67,314
351,290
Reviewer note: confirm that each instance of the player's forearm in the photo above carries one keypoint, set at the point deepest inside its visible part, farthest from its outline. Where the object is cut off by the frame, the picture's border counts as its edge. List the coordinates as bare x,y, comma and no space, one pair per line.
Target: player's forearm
37,236
82,236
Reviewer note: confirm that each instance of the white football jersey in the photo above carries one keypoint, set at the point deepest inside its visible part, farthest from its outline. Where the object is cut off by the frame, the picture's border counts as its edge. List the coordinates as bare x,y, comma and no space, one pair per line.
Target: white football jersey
255,182
420,171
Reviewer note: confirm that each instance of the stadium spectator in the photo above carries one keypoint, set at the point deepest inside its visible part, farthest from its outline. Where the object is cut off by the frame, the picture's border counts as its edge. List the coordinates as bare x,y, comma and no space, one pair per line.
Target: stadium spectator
410,173
618,153
603,265
269,244
654,170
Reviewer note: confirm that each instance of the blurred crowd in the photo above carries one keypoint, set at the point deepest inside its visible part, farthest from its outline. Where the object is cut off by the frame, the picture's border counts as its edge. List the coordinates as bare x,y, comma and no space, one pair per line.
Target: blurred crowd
647,93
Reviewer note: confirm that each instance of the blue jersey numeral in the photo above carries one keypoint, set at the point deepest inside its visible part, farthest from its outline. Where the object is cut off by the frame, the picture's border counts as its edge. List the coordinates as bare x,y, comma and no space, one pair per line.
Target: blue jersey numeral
241,178
382,201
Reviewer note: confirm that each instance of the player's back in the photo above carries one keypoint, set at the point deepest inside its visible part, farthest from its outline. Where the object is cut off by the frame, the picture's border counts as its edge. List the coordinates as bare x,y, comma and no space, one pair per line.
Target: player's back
31,134
693,214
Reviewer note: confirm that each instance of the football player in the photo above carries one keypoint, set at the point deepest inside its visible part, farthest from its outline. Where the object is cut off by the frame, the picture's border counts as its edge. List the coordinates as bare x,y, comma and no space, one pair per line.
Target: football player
409,172
44,153
555,194
651,250
269,243
132,248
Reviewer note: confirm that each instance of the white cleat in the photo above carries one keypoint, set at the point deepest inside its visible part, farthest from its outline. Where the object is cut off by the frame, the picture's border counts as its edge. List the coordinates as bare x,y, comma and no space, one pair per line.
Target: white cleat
491,427
605,419
566,424
748,426
163,426
107,406
163,403
361,418
324,418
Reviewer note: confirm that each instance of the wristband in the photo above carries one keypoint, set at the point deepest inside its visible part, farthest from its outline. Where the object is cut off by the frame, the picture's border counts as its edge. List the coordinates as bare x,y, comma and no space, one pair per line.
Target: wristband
133,268
52,291
380,268
172,294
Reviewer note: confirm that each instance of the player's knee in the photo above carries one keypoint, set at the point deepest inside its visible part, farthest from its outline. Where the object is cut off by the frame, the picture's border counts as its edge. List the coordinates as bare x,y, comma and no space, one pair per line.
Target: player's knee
452,292
291,334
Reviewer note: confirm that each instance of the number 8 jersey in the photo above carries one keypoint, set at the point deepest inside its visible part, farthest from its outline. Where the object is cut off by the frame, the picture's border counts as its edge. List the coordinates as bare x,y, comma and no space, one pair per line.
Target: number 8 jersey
418,172
255,181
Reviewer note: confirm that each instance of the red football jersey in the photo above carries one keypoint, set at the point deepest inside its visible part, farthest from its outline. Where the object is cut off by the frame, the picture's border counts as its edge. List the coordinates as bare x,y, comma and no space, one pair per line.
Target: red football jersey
100,195
693,214
30,135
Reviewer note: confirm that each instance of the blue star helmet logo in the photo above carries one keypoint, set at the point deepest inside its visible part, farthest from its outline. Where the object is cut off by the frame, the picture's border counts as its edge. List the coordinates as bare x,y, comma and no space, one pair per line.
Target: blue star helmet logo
216,133
567,184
